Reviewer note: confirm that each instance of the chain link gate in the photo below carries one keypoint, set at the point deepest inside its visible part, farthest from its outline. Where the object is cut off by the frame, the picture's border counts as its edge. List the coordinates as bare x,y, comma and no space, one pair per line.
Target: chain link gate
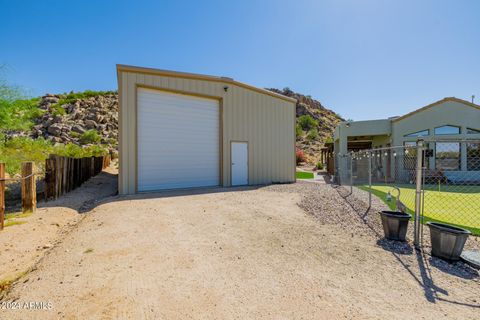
433,180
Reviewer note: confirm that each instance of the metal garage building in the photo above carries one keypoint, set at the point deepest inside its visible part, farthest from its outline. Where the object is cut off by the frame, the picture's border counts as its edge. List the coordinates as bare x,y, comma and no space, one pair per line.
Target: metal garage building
182,130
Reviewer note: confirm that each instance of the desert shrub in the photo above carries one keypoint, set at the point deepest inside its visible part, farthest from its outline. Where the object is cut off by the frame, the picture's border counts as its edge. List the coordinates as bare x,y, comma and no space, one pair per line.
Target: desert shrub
18,115
300,156
90,136
76,151
307,122
298,130
312,134
57,110
329,140
319,166
21,149
71,97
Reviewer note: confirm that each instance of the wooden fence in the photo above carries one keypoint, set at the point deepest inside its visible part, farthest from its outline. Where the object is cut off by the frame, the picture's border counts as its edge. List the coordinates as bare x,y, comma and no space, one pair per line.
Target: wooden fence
63,174
29,190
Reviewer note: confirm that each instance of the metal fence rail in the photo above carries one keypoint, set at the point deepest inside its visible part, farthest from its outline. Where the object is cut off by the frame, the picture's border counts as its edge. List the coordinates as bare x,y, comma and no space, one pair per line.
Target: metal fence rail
434,180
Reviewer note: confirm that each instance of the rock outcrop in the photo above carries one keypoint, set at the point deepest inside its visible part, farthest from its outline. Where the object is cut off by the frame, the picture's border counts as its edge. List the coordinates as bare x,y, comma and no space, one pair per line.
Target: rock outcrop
67,122
327,120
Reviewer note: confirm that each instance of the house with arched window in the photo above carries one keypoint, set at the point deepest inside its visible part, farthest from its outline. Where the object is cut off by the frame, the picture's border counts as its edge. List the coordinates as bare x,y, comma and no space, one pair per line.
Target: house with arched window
451,125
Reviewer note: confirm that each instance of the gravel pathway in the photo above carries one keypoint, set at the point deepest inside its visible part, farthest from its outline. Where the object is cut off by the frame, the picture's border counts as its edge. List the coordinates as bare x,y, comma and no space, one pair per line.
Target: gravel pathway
336,205
240,253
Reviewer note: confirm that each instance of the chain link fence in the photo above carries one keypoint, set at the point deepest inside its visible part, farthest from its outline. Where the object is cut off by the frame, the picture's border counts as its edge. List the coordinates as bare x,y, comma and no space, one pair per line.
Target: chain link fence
449,186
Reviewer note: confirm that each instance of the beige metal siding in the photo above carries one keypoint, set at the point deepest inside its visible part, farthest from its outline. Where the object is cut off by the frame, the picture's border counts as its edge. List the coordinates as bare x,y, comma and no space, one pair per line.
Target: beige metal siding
266,122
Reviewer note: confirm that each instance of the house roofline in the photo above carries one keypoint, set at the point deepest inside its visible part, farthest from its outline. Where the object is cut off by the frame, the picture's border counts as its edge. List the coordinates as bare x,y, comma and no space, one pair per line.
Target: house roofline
195,76
452,99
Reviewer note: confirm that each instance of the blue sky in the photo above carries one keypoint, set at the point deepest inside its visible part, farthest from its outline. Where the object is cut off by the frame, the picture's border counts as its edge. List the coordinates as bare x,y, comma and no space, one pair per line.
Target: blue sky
363,59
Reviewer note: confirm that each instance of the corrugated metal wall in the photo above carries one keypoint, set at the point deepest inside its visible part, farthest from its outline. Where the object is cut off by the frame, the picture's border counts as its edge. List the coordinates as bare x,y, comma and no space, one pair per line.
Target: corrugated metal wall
266,122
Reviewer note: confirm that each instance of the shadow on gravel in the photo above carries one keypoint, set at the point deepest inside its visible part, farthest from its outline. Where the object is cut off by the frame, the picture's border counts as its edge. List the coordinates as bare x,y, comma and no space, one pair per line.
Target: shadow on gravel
457,269
397,247
88,195
420,267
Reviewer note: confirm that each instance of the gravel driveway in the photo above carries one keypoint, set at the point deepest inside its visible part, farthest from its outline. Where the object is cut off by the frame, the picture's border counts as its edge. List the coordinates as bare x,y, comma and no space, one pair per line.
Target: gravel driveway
238,254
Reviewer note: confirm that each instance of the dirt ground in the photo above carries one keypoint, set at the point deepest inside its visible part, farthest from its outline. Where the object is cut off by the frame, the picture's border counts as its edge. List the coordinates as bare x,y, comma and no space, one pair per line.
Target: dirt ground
235,254
23,245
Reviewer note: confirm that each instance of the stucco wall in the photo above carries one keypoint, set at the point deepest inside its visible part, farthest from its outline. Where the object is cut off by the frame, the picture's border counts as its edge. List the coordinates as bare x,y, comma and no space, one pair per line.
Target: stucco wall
446,113
266,121
359,128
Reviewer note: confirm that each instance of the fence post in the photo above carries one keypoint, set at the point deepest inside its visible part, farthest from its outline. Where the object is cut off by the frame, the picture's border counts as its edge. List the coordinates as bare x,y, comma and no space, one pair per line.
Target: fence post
49,178
2,194
369,156
29,190
418,194
351,173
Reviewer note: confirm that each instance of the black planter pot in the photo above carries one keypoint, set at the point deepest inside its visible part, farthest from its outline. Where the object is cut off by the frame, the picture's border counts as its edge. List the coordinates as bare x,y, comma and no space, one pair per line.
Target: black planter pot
447,240
395,224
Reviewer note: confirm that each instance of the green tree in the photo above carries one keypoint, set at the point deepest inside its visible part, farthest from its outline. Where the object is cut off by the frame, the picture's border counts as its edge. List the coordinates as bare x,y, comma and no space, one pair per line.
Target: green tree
307,122
9,92
16,111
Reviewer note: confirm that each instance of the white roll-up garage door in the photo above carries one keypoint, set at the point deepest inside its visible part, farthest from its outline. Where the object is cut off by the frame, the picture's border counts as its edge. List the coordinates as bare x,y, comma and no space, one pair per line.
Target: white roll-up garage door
178,141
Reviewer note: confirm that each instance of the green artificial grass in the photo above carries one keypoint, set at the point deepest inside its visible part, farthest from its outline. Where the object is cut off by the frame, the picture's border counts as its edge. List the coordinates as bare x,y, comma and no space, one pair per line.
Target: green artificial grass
456,205
304,175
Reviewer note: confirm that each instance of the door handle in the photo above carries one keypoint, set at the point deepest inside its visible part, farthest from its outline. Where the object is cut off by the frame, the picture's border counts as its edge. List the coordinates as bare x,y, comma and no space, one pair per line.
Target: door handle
233,163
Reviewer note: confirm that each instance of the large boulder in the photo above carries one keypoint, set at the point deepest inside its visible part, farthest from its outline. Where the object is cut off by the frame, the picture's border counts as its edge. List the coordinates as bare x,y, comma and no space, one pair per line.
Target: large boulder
90,124
78,129
55,129
50,99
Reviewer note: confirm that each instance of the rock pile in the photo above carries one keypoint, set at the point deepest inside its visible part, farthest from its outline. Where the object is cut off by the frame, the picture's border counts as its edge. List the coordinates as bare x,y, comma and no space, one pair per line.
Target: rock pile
64,123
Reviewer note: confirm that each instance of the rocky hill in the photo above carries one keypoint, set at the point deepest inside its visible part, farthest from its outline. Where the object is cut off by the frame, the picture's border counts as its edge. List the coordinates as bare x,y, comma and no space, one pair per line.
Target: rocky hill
311,138
92,118
86,118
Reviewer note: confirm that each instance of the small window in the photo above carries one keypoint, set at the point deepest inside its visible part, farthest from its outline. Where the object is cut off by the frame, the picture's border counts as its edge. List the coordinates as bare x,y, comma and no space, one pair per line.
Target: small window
473,156
447,130
447,156
472,131
418,134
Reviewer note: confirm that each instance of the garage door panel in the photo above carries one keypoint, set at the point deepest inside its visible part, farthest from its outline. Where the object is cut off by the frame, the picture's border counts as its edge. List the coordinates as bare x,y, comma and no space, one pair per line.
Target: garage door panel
178,141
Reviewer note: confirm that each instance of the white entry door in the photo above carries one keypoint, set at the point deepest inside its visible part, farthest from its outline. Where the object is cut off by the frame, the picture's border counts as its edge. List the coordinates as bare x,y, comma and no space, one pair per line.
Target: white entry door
239,163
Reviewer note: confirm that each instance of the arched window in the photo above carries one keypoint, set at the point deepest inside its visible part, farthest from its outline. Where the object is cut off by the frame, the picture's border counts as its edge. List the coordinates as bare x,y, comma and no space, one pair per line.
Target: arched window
447,130
418,133
472,131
